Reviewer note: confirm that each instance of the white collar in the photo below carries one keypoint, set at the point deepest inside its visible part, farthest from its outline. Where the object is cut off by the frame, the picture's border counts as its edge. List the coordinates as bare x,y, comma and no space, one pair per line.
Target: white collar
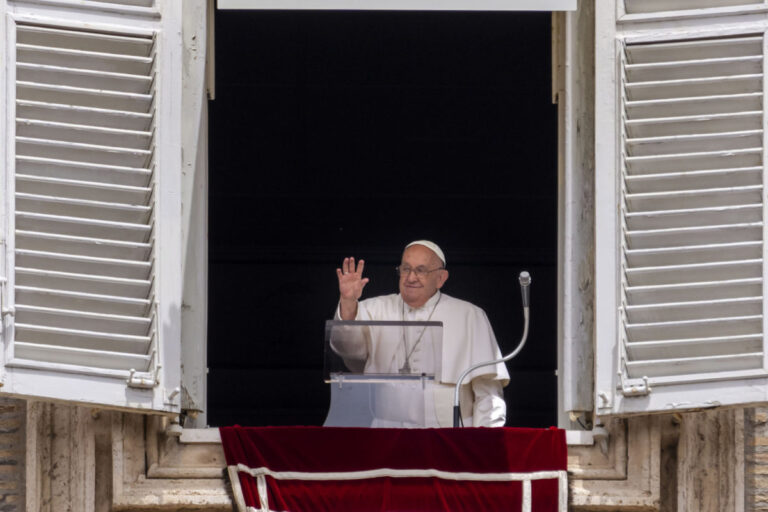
429,304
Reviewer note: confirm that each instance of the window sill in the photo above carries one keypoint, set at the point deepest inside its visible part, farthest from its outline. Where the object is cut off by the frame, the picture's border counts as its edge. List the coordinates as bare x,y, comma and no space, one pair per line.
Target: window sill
211,436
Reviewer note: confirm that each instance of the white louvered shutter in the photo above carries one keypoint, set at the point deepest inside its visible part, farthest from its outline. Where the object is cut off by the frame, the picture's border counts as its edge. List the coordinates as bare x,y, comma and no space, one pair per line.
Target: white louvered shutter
91,295
692,208
688,233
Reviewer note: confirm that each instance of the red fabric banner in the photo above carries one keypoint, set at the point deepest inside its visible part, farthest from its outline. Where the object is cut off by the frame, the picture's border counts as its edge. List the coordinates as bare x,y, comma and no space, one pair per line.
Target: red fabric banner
362,469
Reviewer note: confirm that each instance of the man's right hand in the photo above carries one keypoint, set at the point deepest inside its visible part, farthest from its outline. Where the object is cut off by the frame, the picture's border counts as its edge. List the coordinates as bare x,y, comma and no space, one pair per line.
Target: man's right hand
351,284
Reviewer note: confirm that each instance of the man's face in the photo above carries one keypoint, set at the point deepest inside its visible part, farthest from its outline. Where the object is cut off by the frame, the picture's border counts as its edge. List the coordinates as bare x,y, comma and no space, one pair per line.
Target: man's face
416,290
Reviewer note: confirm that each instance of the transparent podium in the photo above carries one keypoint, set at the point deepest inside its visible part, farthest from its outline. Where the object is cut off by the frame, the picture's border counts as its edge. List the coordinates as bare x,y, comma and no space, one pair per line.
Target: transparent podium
382,373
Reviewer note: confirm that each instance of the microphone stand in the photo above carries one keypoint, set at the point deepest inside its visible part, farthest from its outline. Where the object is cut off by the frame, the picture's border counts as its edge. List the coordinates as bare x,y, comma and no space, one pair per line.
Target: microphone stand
525,283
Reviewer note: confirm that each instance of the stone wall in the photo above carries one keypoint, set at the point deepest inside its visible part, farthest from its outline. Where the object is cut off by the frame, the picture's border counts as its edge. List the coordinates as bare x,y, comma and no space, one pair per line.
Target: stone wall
12,450
756,459
62,457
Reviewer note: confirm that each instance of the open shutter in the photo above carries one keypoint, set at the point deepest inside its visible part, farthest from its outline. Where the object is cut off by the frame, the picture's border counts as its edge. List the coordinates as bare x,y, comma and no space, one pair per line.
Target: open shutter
92,296
689,234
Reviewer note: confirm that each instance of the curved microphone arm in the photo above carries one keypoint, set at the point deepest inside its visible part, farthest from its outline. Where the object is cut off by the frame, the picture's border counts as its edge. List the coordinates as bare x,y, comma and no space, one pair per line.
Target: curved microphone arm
525,283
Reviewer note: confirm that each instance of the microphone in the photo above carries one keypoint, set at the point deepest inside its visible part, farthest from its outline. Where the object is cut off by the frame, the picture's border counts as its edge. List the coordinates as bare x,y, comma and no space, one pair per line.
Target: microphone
525,286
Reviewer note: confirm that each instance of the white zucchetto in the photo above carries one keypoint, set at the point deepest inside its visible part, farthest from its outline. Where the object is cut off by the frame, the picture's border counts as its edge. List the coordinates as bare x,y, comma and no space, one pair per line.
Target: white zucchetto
431,246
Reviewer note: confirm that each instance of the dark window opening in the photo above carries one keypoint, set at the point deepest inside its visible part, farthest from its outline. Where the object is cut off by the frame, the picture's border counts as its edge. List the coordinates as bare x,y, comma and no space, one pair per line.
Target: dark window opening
353,133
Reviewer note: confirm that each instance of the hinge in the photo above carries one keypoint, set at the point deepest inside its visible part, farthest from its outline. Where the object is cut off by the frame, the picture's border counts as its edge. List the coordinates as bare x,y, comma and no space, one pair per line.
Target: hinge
5,310
635,387
145,380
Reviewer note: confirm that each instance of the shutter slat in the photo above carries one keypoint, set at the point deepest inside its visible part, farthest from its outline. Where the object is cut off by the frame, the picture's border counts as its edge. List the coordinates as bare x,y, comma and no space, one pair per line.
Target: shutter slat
78,264
702,198
84,97
75,339
691,217
83,40
82,320
705,160
692,50
676,349
692,180
137,3
665,312
94,302
91,135
90,283
695,143
59,205
679,255
715,104
654,6
78,189
667,367
97,247
687,292
91,116
693,87
84,59
710,327
76,202
83,153
694,273
81,357
78,226
698,235
681,125
54,168
697,68
84,78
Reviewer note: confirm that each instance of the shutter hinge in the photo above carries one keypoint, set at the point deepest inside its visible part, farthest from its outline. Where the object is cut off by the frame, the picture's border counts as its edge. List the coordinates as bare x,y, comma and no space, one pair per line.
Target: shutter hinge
635,387
5,310
145,380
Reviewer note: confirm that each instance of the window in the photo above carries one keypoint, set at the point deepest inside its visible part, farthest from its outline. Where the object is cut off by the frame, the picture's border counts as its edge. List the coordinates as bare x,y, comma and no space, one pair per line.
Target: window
322,148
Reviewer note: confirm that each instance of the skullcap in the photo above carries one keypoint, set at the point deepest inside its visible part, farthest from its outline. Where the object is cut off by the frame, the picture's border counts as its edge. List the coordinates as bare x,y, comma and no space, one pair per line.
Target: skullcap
430,245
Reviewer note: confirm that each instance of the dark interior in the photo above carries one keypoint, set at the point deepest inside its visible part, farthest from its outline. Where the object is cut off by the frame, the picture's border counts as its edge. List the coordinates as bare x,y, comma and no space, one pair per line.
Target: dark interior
353,133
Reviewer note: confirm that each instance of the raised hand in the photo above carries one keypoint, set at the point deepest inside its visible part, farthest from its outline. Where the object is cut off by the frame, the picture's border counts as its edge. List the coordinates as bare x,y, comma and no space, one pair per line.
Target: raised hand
351,280
351,284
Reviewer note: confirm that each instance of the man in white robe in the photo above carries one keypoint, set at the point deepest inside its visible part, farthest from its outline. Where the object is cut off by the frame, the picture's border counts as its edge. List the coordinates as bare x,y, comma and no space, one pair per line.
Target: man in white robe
467,335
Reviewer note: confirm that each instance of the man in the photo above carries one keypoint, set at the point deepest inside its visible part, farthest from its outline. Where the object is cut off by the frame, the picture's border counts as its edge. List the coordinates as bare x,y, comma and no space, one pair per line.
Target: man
467,334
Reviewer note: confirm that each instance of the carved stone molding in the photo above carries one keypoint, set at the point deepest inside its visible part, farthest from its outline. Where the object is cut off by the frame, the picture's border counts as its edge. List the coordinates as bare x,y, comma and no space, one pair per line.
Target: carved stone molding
626,476
88,460
607,462
152,471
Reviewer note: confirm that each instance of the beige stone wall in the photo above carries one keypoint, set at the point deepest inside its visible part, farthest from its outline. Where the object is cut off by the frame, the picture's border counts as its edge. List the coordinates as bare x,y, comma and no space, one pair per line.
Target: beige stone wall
63,457
12,450
756,459
83,459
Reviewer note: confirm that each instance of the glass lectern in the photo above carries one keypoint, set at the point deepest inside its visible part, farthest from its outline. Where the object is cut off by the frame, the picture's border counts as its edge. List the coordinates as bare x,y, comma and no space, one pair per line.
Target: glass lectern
382,373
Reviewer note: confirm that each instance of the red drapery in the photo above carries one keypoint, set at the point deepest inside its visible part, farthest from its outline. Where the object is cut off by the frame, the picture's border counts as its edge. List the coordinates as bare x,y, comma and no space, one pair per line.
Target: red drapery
297,469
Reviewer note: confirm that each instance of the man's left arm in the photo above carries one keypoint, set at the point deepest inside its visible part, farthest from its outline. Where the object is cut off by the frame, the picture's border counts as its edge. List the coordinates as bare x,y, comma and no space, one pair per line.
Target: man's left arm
490,409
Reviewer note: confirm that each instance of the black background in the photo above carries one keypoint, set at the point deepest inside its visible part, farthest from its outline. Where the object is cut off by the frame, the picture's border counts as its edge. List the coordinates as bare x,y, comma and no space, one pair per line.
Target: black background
353,133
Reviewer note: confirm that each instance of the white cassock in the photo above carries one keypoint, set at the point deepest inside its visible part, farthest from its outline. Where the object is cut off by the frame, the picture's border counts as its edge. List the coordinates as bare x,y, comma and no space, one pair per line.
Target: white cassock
467,339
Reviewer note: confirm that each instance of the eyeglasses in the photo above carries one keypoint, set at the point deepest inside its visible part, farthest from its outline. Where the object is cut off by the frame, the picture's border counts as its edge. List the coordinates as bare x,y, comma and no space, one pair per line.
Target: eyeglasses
405,270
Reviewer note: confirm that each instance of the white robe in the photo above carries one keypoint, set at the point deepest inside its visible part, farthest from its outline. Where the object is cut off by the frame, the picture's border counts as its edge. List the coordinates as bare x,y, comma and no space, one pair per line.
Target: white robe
467,339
